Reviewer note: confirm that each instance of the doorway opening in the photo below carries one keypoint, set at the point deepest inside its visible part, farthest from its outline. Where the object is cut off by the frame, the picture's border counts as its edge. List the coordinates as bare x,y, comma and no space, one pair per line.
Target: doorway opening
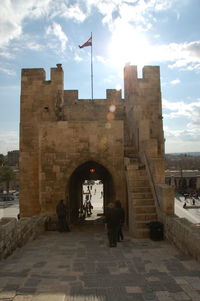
96,176
93,199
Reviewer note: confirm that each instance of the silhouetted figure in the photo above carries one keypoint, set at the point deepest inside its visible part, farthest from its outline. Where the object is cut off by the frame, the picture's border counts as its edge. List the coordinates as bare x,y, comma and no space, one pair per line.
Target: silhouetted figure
89,207
61,211
112,224
85,208
81,214
120,235
184,206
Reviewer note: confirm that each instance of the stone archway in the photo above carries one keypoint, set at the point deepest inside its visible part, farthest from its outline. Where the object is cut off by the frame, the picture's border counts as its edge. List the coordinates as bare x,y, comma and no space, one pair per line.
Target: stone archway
82,173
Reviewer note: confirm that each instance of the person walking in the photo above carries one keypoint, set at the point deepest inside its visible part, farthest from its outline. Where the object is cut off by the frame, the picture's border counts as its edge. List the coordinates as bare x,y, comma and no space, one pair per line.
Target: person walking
120,235
112,224
61,211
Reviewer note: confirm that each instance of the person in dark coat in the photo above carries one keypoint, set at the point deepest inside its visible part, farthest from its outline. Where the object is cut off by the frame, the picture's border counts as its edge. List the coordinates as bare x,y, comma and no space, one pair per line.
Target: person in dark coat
61,211
112,224
120,235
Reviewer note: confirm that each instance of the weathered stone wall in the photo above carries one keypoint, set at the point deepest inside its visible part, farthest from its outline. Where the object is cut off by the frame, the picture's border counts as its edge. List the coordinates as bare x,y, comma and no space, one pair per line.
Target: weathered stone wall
38,100
15,233
58,132
144,109
65,145
184,235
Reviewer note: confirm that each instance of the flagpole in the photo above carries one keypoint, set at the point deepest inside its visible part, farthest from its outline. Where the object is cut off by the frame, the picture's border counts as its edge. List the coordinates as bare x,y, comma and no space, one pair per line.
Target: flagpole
91,69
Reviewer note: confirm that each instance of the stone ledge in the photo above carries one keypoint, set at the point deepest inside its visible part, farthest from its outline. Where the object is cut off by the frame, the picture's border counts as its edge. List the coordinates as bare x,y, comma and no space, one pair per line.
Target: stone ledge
15,233
184,235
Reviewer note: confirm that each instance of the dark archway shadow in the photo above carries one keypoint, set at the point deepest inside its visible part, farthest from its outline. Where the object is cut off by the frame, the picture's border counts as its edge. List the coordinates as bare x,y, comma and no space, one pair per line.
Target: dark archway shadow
82,173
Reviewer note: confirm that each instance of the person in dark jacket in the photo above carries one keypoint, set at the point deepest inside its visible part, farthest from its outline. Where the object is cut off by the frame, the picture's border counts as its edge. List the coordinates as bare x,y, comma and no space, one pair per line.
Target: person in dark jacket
112,224
120,235
61,211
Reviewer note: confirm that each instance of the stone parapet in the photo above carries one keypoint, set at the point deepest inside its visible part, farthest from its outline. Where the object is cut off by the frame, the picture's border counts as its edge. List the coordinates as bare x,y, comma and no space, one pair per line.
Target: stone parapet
166,198
15,233
184,235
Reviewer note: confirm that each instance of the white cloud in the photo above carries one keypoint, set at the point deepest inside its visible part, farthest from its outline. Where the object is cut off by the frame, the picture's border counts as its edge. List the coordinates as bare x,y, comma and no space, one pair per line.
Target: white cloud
178,145
185,55
9,141
175,81
34,45
19,11
74,12
182,109
186,140
101,59
162,4
8,71
56,30
13,14
139,14
77,58
6,53
189,137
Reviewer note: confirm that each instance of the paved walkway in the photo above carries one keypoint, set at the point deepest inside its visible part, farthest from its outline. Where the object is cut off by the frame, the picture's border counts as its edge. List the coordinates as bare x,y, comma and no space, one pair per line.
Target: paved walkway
79,266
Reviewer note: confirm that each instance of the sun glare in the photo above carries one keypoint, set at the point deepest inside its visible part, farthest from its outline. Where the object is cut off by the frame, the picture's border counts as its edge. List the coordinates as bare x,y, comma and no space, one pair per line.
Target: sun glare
129,46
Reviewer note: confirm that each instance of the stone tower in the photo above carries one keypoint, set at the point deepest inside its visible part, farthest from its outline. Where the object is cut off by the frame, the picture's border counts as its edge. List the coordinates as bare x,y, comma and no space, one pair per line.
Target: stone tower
62,137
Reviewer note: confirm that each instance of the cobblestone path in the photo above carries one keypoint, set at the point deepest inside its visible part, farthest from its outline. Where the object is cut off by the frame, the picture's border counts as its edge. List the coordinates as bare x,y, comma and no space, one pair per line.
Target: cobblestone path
79,266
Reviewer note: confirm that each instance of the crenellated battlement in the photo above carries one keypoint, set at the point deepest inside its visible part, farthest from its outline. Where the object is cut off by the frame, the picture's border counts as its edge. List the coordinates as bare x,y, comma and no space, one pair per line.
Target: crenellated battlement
112,96
148,73
33,74
151,73
39,74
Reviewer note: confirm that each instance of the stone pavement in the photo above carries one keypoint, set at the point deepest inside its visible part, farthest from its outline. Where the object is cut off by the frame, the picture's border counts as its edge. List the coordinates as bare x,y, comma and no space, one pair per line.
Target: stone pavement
79,266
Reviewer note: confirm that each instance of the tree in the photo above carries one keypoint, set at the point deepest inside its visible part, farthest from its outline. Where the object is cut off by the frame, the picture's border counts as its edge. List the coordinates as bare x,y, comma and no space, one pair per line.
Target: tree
6,175
2,159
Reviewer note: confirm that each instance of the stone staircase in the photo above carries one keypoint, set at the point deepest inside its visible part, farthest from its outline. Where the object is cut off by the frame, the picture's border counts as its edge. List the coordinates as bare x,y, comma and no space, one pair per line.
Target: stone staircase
142,208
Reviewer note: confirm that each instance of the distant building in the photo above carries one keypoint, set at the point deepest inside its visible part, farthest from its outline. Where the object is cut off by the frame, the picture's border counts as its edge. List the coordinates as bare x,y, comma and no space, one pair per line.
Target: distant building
13,158
186,180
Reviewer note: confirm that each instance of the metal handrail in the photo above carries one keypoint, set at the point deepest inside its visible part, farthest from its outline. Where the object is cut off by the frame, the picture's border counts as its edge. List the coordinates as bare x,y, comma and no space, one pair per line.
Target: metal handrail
151,178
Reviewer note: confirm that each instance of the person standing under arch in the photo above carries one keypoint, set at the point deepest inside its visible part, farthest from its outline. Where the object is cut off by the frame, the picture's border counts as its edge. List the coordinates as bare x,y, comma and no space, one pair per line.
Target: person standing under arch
120,235
61,211
112,224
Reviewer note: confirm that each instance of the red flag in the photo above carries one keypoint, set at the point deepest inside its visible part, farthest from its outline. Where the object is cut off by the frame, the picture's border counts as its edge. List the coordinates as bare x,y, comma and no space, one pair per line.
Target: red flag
88,43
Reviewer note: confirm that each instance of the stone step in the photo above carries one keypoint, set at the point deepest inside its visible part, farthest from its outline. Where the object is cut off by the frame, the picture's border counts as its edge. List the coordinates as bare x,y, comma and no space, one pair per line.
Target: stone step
140,172
142,233
143,202
130,148
142,195
130,155
142,225
131,165
147,217
141,189
135,178
144,209
140,183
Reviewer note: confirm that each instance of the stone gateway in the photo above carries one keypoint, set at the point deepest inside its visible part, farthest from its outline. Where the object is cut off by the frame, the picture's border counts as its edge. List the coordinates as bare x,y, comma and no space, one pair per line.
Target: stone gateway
63,137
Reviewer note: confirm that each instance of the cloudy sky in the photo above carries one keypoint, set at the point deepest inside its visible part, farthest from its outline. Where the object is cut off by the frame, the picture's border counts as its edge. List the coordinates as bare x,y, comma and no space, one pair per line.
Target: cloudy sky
42,33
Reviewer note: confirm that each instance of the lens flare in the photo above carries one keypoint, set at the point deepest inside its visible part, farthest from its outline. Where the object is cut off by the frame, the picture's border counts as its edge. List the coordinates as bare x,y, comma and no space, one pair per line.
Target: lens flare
112,108
108,125
110,116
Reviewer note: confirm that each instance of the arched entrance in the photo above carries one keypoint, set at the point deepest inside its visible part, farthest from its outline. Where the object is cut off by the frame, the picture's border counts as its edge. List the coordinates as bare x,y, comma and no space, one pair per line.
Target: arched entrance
89,170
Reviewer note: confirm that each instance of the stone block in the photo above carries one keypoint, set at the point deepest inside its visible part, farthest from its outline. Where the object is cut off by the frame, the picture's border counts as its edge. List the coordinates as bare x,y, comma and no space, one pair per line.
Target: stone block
166,198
